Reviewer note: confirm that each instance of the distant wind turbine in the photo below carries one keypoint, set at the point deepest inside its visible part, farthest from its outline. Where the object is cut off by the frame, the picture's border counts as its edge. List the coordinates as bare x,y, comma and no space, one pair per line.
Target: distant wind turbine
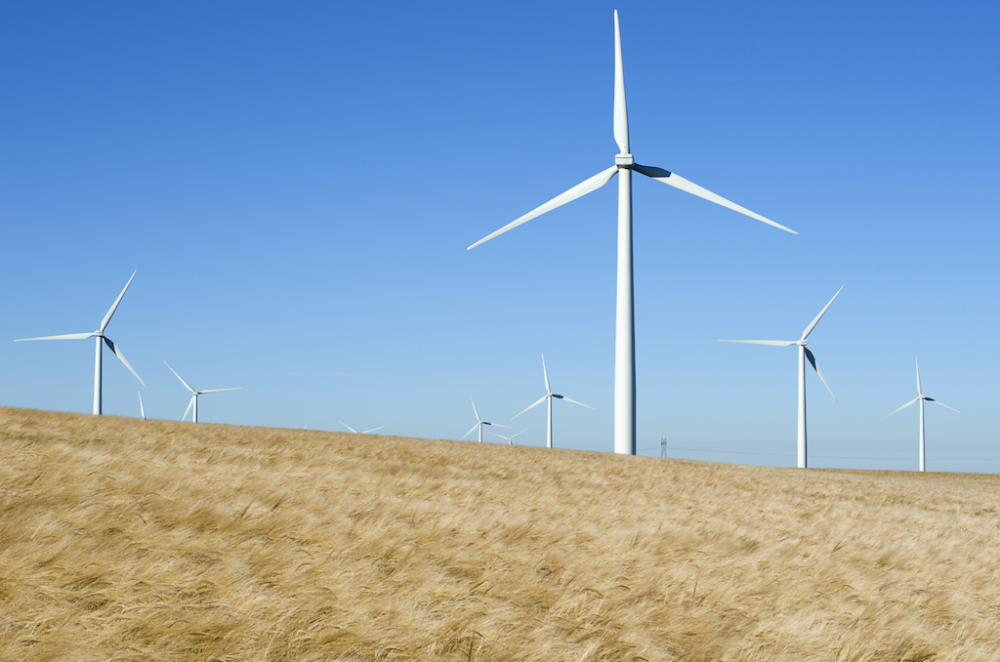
804,354
510,439
549,395
921,397
480,423
625,324
195,394
142,411
356,432
99,334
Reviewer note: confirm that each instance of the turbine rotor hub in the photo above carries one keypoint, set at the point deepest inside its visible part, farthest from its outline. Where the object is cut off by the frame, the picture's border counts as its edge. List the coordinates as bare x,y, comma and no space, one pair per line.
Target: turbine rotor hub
624,161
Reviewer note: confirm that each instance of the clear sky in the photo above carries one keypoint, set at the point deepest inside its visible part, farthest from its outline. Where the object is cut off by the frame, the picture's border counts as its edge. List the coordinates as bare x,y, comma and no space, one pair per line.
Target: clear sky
297,183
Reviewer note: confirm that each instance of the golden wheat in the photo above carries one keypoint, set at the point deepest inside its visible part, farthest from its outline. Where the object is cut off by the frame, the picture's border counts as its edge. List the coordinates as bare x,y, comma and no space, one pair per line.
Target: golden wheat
123,539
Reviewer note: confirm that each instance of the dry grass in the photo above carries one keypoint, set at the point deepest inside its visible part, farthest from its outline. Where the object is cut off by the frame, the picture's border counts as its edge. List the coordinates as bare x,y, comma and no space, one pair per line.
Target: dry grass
151,540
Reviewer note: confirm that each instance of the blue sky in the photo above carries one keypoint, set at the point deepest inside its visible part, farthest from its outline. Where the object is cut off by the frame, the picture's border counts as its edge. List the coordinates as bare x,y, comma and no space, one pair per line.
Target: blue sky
296,185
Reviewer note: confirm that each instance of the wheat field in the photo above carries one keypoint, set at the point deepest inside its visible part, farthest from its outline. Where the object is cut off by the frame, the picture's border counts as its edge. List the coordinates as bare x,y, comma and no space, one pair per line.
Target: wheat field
123,539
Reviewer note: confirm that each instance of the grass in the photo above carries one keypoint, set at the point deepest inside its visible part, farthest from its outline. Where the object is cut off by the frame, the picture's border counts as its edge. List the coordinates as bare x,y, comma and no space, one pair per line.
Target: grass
123,539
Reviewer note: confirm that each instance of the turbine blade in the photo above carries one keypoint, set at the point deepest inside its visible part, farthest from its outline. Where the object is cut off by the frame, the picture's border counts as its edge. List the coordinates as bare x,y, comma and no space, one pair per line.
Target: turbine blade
812,360
118,353
678,182
186,385
475,410
373,430
621,112
68,336
220,390
813,324
501,436
540,401
901,408
583,188
919,392
576,403
190,404
142,410
114,306
348,427
497,425
773,343
470,431
941,403
545,372
521,432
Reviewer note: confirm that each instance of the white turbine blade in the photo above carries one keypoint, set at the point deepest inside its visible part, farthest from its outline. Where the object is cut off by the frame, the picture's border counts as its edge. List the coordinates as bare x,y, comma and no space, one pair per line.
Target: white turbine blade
190,404
220,390
919,392
621,112
901,408
678,182
474,409
68,336
583,188
941,403
118,353
114,306
532,406
521,432
141,408
186,385
548,389
812,325
348,427
501,436
773,343
470,431
576,403
373,430
497,425
812,360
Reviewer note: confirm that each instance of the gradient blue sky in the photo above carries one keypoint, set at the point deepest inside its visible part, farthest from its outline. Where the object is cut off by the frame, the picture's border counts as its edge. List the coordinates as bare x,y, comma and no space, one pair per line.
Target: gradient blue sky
296,185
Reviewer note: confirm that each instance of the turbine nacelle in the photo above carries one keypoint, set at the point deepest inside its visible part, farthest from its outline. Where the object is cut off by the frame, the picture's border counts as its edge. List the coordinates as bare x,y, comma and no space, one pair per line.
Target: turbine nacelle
625,161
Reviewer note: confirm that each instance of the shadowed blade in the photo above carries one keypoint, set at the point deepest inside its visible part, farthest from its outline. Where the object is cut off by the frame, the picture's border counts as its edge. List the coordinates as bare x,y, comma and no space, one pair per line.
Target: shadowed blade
474,409
621,112
812,361
68,336
678,182
114,306
919,392
220,390
901,408
583,188
373,430
118,353
813,324
470,431
540,401
576,403
190,404
941,404
773,343
348,427
186,385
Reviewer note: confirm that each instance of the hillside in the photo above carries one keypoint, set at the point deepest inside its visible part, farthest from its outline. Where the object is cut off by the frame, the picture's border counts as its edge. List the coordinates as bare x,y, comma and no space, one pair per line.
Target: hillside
123,539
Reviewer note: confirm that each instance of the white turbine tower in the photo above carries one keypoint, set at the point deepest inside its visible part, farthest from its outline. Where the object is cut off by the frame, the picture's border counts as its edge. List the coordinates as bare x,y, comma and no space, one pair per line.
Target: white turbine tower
510,439
921,397
142,410
804,354
101,340
195,394
625,317
356,432
480,423
549,395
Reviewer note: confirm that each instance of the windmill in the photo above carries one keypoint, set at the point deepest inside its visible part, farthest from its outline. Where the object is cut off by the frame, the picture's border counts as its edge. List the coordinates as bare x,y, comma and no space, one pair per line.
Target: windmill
510,439
804,354
356,432
625,315
480,423
195,394
921,397
101,341
550,396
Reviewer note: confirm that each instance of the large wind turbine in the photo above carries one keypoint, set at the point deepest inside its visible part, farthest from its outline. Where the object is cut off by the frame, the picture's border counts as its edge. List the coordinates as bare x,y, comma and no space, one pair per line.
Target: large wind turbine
480,423
356,432
550,396
195,394
99,334
804,354
921,397
625,320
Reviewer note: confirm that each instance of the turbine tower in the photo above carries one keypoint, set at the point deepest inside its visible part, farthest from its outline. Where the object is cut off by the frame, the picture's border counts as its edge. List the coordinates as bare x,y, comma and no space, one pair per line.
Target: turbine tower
510,439
625,316
480,423
195,394
804,354
550,396
921,397
99,335
356,432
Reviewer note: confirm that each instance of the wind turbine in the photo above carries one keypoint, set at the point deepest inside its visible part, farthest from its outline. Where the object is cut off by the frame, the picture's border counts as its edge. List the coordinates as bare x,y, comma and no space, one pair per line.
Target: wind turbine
625,316
356,432
99,334
549,395
921,397
194,397
142,411
510,439
480,423
804,354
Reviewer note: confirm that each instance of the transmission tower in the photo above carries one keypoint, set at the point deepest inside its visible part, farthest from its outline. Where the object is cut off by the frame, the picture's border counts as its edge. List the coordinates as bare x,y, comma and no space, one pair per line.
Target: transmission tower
663,447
